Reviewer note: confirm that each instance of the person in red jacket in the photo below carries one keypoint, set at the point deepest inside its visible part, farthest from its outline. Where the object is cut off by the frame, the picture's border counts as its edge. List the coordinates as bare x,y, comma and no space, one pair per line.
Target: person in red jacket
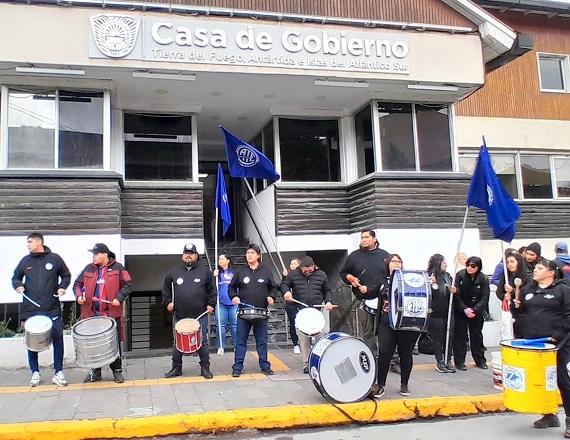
101,289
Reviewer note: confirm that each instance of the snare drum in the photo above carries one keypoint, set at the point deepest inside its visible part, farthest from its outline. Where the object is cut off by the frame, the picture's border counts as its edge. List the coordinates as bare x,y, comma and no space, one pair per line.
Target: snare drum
38,333
342,368
309,321
410,300
370,305
95,341
188,335
253,313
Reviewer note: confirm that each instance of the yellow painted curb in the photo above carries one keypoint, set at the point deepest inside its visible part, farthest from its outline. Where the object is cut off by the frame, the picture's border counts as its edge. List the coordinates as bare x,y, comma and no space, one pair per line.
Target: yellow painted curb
256,418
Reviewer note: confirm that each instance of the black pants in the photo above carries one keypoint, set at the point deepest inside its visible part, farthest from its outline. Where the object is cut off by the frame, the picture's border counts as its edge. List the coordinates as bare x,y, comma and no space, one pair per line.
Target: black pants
474,326
388,339
563,375
292,309
438,333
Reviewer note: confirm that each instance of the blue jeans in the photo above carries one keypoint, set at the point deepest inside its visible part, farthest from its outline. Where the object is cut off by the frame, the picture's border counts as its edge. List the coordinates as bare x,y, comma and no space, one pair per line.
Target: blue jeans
57,341
260,332
226,315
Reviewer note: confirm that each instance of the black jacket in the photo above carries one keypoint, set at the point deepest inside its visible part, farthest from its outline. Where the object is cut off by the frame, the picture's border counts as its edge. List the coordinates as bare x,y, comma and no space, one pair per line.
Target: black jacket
440,296
253,286
311,290
194,289
546,311
369,266
471,293
44,274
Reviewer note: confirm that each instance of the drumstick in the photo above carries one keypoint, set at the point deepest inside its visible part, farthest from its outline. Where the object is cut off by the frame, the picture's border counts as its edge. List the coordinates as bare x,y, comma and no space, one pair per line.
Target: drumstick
352,279
246,304
199,316
299,302
172,284
518,283
31,300
95,299
334,306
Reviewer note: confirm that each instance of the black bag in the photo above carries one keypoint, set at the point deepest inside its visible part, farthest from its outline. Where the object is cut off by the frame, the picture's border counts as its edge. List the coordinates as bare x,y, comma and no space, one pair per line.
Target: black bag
425,344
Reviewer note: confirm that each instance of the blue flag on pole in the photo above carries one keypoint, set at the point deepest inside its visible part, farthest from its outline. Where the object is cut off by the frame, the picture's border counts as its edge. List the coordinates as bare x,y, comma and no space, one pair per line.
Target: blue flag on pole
246,161
222,203
487,192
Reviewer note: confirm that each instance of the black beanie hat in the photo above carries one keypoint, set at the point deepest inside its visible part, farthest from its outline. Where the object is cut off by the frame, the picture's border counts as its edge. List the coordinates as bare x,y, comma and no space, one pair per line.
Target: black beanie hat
534,247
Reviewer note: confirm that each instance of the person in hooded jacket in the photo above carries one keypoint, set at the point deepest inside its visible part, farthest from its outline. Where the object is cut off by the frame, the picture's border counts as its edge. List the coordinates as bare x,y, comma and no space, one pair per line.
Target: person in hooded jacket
562,260
470,300
532,254
101,289
545,301
440,297
41,277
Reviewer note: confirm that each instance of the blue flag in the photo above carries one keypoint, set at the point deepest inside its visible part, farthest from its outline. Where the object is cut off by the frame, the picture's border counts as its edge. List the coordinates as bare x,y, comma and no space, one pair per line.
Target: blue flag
487,192
222,202
246,161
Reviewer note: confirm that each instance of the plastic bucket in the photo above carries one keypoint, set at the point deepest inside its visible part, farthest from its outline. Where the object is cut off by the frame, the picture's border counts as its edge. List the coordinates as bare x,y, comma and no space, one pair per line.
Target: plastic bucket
497,363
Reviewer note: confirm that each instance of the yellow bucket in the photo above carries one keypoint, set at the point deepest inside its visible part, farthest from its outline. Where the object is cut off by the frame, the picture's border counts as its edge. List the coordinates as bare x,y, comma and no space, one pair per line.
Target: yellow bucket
529,378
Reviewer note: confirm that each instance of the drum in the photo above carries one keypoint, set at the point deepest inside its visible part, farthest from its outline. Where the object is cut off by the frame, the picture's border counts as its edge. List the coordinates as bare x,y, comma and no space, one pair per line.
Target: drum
410,300
95,341
309,321
370,305
38,333
250,313
342,367
188,335
529,377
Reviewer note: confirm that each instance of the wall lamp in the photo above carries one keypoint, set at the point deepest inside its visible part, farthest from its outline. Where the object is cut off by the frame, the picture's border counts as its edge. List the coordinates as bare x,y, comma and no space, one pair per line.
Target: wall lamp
434,88
167,76
355,84
53,72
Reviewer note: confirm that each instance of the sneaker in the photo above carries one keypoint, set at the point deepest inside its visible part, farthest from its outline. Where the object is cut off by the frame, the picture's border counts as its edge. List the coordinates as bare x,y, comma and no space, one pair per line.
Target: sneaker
395,368
547,421
174,372
440,367
35,379
236,373
118,376
404,391
267,371
415,351
381,391
93,375
205,372
297,349
305,369
450,367
59,379
220,351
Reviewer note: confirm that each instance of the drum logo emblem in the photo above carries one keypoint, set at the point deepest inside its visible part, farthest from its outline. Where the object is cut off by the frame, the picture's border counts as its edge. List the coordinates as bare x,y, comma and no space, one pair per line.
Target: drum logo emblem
246,156
551,379
114,34
415,307
414,279
513,378
364,362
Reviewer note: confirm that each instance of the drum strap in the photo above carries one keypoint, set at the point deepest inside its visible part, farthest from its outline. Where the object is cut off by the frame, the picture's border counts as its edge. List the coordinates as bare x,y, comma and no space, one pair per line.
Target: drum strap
348,416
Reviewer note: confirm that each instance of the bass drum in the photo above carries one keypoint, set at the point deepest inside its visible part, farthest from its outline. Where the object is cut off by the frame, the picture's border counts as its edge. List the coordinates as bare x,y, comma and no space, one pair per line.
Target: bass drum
96,341
410,300
342,368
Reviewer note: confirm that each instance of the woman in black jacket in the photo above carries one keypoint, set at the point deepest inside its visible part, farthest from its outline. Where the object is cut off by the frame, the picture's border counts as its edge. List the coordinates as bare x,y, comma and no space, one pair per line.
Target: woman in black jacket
470,300
440,294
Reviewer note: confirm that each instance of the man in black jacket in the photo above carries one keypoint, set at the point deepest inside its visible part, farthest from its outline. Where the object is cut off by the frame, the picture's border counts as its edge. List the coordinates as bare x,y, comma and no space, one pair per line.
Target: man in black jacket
41,277
311,286
189,289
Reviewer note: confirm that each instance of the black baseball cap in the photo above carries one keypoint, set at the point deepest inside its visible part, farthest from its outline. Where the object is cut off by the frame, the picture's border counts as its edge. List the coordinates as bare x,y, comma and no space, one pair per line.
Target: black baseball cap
100,248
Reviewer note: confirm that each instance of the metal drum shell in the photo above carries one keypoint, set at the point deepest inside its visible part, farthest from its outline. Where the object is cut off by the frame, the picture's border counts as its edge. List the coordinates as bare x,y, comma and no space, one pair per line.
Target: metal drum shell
95,349
38,333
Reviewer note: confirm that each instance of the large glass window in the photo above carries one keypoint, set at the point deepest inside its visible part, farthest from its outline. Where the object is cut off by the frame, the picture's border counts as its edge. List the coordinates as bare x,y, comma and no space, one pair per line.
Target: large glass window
158,147
504,166
562,173
536,177
55,129
364,141
397,137
434,139
553,70
309,150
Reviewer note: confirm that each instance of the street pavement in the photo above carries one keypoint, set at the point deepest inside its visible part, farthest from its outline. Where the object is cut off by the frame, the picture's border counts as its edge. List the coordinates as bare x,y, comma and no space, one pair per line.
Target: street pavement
148,405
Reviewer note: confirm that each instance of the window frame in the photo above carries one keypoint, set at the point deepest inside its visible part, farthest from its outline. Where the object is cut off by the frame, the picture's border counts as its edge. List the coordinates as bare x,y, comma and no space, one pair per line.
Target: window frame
564,60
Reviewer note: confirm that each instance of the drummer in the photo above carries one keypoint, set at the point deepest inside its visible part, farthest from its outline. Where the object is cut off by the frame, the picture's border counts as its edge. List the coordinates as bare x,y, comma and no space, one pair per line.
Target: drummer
41,277
188,290
253,285
101,289
545,302
311,286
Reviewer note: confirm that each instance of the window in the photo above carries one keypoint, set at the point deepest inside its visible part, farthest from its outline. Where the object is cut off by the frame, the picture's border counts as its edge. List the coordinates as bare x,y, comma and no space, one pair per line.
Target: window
535,172
504,166
364,143
428,149
553,72
309,150
55,129
562,173
158,147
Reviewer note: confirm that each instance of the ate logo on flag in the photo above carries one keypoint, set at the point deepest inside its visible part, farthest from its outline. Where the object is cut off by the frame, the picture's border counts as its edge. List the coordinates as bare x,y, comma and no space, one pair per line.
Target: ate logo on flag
490,195
246,156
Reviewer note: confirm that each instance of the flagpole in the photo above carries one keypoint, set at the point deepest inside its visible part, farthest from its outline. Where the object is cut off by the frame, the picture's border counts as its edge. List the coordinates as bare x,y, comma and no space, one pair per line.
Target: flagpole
218,326
265,222
449,309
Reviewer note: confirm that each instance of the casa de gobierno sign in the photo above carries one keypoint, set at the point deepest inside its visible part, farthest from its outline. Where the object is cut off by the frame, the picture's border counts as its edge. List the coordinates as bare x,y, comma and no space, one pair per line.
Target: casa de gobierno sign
240,44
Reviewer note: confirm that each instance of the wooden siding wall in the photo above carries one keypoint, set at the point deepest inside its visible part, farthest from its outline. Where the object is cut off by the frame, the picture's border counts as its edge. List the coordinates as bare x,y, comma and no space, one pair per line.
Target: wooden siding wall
513,91
408,11
59,206
162,212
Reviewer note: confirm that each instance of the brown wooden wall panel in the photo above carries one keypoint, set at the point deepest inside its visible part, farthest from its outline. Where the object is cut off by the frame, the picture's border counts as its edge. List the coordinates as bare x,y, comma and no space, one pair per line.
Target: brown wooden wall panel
59,206
162,212
408,11
513,91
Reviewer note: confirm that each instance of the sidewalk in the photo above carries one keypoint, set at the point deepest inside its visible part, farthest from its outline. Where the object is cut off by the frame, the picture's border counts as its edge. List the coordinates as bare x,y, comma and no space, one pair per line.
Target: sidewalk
148,405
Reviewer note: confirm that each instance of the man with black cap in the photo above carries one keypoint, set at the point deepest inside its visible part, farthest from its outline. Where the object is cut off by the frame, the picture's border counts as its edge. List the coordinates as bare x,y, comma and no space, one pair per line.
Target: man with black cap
253,286
188,291
101,289
311,286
